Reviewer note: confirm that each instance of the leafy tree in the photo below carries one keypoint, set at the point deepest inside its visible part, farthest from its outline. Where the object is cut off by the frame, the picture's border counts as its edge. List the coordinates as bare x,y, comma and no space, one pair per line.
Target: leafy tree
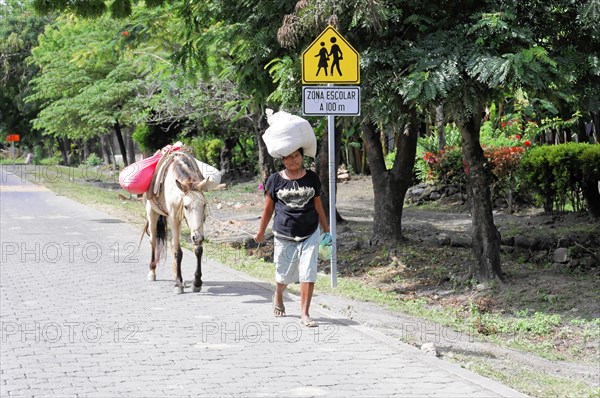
241,36
234,40
78,75
19,29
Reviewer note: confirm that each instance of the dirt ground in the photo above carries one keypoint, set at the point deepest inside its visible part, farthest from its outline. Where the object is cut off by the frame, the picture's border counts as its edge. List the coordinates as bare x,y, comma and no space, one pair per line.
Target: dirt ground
432,263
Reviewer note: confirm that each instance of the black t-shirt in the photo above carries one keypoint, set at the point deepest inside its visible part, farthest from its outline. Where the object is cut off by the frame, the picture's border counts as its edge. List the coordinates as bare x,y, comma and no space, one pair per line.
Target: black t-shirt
295,214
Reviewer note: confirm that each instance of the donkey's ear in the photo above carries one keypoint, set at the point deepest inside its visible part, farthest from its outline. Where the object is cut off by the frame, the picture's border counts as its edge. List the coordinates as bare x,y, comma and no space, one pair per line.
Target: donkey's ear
200,186
183,187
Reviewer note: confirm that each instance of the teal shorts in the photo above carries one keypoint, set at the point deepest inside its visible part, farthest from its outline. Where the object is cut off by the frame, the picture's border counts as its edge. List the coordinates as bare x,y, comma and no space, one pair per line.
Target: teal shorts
296,261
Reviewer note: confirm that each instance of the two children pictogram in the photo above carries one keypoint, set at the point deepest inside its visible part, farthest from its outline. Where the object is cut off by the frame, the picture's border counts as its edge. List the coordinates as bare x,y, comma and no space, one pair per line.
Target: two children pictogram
324,55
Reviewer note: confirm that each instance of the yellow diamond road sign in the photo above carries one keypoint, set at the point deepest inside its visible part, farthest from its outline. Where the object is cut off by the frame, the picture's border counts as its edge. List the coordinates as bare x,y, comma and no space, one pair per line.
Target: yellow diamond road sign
330,59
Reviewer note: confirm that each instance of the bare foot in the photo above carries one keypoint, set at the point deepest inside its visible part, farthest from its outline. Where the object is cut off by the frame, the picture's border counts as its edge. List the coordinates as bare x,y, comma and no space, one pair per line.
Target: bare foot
278,309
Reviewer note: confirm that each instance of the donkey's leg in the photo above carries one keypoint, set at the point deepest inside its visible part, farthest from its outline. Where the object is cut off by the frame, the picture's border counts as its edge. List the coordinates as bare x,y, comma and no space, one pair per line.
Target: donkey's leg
177,255
198,275
152,218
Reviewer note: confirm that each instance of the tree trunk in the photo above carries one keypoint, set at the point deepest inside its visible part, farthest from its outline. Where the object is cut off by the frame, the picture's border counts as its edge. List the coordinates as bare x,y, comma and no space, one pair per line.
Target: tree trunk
591,193
390,186
63,144
86,150
226,157
105,145
322,162
596,128
119,135
265,161
130,147
485,235
440,123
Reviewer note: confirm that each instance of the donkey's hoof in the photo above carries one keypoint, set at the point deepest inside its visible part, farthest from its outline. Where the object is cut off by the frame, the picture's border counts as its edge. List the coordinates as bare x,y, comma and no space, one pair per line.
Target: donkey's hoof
178,289
151,277
197,288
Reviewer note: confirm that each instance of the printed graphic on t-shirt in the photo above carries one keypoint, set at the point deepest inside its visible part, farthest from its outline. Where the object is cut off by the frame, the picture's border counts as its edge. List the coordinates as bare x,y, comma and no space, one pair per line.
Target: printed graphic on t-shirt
296,197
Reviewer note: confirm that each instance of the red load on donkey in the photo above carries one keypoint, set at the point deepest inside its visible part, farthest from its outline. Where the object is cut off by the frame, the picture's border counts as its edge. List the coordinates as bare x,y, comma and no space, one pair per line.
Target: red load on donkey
136,178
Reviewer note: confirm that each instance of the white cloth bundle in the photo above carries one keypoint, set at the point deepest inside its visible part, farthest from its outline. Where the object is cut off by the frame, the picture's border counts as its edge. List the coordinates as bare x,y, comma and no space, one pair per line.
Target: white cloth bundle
288,133
211,175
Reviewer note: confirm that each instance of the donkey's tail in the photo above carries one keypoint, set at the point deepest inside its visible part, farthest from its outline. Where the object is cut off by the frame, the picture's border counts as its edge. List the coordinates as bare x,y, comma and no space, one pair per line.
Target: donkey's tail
161,237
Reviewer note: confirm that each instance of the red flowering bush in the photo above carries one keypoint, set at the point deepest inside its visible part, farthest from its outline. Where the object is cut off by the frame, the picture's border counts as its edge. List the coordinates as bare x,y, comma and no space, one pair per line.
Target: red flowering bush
448,167
445,166
505,162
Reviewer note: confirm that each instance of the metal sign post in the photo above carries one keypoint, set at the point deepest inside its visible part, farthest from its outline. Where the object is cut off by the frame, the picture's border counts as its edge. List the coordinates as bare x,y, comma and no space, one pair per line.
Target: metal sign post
12,138
332,179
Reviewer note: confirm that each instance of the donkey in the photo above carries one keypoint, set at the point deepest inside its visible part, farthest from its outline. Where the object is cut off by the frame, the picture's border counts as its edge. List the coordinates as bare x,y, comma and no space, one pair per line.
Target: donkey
181,197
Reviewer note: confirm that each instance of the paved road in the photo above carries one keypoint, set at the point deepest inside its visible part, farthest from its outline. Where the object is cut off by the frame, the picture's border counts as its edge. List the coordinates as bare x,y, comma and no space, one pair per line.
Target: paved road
78,318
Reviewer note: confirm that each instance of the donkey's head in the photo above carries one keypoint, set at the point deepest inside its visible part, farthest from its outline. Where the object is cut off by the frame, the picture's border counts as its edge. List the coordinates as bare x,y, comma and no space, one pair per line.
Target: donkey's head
193,208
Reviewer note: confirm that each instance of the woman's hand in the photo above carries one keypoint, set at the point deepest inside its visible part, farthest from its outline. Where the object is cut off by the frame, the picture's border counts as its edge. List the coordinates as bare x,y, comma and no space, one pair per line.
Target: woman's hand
259,237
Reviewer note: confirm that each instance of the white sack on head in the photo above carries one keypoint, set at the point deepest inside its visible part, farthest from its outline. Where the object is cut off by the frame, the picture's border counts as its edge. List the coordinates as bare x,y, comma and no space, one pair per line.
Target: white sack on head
212,176
288,133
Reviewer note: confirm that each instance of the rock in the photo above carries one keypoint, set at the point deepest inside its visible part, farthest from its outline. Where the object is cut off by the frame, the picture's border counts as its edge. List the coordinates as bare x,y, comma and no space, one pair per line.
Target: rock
352,246
540,256
561,255
426,194
343,177
481,287
444,239
589,262
415,192
506,249
451,190
435,196
429,348
584,263
523,242
460,241
545,243
509,241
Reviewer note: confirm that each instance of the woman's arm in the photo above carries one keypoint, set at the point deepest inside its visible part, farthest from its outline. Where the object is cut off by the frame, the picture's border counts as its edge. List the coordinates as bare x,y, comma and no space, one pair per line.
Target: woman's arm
265,218
321,213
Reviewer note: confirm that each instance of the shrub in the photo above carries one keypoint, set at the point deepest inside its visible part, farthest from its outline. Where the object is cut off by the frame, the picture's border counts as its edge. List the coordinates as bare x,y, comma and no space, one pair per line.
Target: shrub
53,161
557,173
505,162
38,154
445,166
207,150
93,160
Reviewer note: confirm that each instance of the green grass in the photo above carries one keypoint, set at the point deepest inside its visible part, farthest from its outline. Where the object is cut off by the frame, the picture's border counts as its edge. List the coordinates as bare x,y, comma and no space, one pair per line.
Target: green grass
537,384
